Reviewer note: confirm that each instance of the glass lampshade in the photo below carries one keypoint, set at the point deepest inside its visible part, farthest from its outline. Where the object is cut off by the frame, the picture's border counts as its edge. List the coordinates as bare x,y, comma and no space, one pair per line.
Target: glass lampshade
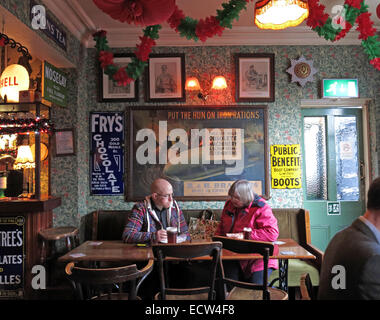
280,14
192,84
219,83
24,158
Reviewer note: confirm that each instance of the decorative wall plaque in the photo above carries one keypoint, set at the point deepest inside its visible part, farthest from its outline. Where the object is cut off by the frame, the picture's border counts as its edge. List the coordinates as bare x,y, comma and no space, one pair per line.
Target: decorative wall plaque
302,71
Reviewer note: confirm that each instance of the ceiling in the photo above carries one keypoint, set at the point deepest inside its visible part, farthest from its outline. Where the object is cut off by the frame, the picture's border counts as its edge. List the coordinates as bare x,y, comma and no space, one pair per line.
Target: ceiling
82,18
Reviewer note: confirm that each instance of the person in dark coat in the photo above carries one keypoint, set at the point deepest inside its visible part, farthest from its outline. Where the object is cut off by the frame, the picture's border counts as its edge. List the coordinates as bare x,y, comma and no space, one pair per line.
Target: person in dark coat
351,264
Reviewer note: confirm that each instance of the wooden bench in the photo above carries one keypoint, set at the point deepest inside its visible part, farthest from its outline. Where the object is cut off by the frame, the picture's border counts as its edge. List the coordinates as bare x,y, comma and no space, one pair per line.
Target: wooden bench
293,223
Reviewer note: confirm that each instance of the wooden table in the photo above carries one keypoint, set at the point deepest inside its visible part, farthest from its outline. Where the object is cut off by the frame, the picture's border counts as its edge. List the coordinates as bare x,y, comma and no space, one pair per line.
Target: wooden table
117,251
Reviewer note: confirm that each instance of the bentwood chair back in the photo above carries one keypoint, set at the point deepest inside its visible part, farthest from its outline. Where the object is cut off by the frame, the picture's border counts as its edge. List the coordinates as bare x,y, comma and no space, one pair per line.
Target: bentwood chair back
188,251
246,290
99,283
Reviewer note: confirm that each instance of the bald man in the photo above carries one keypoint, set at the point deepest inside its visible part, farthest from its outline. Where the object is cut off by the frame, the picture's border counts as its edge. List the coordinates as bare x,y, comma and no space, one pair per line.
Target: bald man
149,219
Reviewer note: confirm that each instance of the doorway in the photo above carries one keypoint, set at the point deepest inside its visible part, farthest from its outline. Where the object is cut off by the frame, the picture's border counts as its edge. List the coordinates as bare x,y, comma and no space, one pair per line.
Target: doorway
333,170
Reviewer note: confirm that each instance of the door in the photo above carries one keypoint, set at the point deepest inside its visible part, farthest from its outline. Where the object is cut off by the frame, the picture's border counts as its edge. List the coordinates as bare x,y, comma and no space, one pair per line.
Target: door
333,172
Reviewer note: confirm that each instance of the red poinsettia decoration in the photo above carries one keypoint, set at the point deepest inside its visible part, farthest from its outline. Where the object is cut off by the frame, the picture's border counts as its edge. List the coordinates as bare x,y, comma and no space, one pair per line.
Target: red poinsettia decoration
144,48
175,19
365,26
105,58
140,12
317,15
207,28
121,77
354,3
376,63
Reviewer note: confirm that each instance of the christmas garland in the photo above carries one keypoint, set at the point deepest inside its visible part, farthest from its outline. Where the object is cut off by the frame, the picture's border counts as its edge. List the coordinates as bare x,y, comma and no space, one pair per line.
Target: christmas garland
185,26
12,126
355,11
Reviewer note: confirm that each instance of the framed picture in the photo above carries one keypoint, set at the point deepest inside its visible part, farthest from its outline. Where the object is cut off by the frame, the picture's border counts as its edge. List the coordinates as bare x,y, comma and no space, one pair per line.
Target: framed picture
64,142
200,150
165,78
255,77
110,91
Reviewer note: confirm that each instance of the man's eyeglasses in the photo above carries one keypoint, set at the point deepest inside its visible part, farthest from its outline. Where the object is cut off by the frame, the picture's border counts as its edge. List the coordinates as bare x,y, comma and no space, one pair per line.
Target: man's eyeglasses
169,195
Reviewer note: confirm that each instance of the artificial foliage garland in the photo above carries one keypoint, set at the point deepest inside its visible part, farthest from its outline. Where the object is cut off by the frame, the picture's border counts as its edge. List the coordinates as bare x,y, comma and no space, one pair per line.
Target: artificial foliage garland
185,26
356,11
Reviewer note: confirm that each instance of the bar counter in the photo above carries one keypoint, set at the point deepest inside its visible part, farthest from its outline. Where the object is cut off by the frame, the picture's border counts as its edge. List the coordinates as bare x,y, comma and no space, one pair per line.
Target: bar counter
28,216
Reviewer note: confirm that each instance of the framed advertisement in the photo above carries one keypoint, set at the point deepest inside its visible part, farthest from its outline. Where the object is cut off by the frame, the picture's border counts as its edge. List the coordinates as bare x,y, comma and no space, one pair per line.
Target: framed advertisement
165,78
254,77
107,153
110,91
64,142
201,151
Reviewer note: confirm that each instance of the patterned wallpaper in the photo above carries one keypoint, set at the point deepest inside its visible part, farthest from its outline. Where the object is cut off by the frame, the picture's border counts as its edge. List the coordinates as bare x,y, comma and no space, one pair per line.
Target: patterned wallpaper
70,174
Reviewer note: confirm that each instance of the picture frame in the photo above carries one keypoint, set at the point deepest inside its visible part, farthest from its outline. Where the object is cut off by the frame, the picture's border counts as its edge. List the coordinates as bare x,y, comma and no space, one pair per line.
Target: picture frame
110,91
163,143
64,142
254,77
165,78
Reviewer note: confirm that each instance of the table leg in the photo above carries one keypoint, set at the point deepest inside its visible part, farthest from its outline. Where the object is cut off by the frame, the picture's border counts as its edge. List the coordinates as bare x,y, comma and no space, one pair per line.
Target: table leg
283,274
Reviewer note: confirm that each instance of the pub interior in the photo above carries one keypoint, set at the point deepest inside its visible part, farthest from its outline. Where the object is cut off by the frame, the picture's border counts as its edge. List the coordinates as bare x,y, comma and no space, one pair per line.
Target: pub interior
103,103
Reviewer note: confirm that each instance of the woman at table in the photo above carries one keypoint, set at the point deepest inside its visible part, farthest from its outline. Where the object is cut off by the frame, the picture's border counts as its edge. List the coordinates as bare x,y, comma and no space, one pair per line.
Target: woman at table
245,209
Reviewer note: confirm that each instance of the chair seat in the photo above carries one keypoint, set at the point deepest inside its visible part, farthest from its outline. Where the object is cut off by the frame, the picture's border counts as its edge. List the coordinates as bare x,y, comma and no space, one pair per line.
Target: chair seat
114,296
249,294
201,296
58,233
296,268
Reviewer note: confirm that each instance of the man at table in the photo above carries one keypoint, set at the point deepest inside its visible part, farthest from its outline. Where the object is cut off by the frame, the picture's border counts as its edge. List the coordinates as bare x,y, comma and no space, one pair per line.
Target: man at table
351,264
149,219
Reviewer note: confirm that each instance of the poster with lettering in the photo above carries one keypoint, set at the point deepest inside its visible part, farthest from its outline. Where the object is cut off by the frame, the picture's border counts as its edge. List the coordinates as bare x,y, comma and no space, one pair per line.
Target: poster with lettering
201,151
11,256
286,166
107,153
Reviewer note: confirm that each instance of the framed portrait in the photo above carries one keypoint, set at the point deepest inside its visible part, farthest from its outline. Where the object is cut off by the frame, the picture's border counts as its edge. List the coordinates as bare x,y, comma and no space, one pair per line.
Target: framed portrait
165,78
110,91
254,77
64,142
200,150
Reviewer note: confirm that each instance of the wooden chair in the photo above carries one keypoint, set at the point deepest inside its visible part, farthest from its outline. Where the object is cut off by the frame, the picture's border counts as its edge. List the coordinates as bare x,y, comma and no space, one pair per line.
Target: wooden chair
246,290
99,283
306,287
186,251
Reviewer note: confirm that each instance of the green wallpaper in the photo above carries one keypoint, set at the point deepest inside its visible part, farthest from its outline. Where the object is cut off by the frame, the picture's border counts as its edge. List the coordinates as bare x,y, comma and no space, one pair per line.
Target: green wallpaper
70,174
284,115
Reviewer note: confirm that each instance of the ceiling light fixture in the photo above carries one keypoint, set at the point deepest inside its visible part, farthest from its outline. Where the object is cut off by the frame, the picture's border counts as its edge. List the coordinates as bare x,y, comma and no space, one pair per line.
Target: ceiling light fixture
280,14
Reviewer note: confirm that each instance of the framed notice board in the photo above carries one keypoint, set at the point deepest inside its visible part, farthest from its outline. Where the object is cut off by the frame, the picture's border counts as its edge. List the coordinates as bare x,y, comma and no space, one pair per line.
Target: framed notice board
12,257
107,153
200,150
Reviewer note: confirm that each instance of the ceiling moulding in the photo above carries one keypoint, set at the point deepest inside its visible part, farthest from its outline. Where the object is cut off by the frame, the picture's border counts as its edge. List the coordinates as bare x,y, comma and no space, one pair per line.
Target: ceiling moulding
72,15
129,37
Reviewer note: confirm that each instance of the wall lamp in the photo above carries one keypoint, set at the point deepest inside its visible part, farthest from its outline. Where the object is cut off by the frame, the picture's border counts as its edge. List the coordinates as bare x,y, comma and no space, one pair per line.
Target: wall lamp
192,84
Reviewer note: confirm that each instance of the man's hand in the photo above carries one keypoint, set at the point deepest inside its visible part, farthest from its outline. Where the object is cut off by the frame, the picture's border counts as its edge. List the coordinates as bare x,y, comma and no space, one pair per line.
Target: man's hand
162,236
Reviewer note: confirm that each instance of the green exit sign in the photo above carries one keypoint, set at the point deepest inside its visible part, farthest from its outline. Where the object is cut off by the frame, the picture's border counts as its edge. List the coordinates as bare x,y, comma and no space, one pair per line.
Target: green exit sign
340,88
